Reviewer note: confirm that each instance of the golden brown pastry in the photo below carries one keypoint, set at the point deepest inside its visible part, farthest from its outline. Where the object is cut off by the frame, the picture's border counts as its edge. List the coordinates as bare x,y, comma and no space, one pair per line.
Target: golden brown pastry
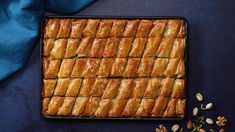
165,47
111,46
65,27
85,47
51,68
77,28
122,68
71,48
54,105
145,67
118,67
111,89
182,31
74,87
172,28
66,67
58,49
87,85
52,28
171,108
91,27
140,85
78,68
99,87
125,88
79,106
171,67
158,28
104,107
66,107
180,71
131,107
153,88
92,106
138,47
117,28
159,67
152,47
98,47
144,28
159,106
180,107
131,28
178,89
178,48
104,28
91,68
45,102
145,108
124,47
131,67
61,87
105,67
167,86
48,45
117,107
48,87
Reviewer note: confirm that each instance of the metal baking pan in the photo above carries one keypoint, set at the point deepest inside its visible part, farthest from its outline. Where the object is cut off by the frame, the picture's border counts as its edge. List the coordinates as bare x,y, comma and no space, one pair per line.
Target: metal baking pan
117,17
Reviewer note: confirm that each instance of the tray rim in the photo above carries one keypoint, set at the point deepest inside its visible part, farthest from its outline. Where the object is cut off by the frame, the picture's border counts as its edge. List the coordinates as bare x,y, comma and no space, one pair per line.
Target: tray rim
113,17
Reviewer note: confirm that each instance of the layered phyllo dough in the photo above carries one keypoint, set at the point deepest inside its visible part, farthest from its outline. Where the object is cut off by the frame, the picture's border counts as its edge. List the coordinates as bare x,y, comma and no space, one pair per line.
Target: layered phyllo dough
114,68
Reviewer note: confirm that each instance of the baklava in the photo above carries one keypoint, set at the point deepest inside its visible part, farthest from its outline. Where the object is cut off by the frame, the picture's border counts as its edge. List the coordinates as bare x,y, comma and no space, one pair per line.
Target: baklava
106,68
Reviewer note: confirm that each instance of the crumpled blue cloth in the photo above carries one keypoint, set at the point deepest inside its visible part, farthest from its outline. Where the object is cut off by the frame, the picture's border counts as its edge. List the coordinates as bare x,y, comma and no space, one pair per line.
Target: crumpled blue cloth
20,26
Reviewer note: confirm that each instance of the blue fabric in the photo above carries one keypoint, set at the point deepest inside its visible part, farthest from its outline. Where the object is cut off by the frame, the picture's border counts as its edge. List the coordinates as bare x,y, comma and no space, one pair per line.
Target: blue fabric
20,26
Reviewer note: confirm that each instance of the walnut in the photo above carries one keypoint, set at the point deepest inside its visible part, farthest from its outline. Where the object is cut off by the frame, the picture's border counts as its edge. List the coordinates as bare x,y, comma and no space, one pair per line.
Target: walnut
221,121
161,128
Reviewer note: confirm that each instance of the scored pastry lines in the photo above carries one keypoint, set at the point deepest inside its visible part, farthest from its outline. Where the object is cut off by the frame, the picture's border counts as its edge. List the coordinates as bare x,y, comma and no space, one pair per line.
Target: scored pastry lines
119,25
118,107
120,67
94,32
106,26
98,87
167,47
71,48
165,26
64,28
74,87
48,87
77,28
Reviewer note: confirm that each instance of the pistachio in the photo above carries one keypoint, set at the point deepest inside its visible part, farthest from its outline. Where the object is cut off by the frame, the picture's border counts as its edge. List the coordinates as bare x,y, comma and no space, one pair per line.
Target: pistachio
195,111
211,130
202,130
209,106
189,125
209,121
196,128
200,119
199,96
203,107
175,128
181,129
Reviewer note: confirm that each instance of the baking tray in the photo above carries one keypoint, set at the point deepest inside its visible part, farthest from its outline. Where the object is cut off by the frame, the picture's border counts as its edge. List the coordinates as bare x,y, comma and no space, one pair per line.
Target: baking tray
116,17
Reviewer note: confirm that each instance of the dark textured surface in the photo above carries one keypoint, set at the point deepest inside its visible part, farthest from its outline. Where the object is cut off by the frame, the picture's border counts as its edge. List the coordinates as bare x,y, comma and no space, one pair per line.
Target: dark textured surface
211,68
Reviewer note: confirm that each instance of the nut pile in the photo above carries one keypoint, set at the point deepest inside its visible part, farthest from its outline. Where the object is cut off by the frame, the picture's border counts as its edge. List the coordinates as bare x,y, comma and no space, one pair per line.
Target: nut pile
196,125
200,120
